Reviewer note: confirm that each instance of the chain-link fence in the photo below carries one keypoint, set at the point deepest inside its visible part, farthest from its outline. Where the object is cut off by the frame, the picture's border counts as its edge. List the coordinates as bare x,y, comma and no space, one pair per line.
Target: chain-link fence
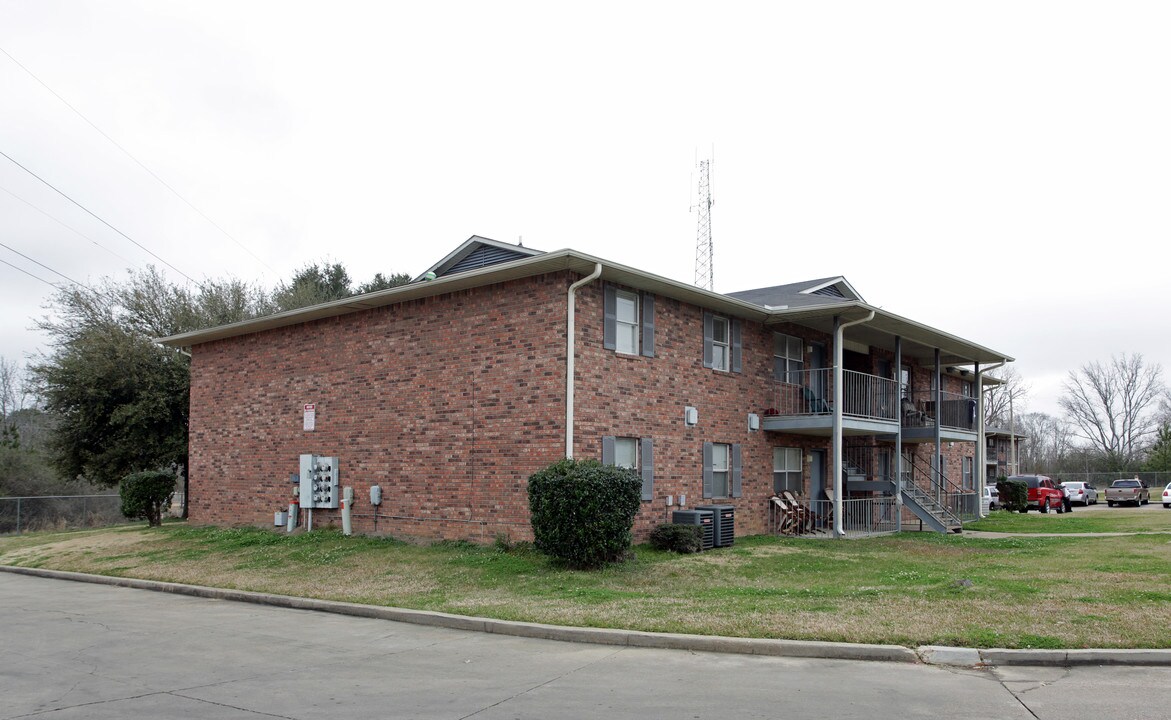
59,512
1103,479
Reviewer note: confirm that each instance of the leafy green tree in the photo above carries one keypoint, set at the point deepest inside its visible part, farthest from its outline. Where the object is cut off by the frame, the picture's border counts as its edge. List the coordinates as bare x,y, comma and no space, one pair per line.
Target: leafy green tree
312,285
1159,457
146,495
382,282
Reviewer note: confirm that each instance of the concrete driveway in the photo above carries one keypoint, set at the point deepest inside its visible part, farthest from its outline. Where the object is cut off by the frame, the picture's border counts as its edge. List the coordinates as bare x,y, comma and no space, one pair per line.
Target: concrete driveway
76,650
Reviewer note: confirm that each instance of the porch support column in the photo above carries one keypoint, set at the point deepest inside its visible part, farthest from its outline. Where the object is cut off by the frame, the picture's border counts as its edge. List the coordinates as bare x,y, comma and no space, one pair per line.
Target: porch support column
899,434
938,397
980,447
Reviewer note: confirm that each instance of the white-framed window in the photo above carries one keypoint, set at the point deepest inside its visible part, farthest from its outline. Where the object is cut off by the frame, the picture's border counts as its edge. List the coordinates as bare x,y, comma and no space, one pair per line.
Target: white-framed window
969,477
721,343
626,322
626,452
721,454
788,358
787,470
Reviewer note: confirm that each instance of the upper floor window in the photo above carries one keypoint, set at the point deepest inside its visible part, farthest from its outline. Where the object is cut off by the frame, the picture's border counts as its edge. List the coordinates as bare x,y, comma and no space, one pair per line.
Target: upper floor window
788,360
629,319
721,343
626,319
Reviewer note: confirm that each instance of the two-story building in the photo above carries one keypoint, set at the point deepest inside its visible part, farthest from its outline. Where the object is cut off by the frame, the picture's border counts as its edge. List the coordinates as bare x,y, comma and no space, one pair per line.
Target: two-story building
449,392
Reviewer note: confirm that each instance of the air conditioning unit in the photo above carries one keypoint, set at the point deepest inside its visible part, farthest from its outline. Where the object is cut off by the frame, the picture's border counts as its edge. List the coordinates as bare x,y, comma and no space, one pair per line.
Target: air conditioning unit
703,518
723,522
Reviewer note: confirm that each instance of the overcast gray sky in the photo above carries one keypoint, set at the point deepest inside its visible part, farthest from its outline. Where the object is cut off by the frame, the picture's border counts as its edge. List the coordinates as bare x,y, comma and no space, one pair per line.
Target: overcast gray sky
998,170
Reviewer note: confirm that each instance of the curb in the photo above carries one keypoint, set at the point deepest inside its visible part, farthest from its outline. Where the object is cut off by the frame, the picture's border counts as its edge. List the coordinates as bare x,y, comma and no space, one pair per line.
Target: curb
929,654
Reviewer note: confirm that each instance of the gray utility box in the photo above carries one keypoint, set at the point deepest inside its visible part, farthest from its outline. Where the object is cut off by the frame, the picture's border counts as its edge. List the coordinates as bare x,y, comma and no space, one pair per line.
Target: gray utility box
319,482
703,518
723,522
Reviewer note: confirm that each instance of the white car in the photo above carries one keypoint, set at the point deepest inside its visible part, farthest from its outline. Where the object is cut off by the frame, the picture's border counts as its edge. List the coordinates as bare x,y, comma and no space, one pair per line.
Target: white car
1167,496
1080,492
990,500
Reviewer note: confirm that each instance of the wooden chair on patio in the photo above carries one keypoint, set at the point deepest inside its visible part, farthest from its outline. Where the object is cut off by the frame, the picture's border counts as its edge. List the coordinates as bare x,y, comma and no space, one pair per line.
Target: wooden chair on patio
785,519
805,515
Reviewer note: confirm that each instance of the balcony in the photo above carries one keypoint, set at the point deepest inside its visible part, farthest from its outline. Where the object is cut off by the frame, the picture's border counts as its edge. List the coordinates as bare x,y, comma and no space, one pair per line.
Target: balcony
955,414
802,404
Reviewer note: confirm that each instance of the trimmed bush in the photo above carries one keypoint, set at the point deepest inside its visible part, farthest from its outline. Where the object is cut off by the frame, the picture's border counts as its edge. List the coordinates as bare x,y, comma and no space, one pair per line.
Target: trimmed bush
582,512
146,495
1014,494
678,538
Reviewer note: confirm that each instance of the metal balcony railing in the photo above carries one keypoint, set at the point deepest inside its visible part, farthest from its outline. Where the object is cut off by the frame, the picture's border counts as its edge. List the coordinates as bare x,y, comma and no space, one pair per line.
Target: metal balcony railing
955,411
810,392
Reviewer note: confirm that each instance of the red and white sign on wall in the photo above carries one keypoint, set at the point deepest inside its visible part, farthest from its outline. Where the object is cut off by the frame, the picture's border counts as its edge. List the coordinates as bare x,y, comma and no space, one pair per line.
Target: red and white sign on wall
310,416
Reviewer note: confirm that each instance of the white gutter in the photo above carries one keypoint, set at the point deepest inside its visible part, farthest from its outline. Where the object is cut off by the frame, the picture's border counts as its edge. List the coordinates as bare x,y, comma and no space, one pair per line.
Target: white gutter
569,359
837,431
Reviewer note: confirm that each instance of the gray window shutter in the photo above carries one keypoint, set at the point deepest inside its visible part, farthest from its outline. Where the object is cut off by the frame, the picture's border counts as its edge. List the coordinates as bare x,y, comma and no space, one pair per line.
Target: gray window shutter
707,339
648,469
735,345
610,311
707,470
648,324
737,470
608,450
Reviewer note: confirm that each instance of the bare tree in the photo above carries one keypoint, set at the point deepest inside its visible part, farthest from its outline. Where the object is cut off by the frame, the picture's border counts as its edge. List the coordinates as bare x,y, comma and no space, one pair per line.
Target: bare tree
998,399
1047,442
1113,406
13,388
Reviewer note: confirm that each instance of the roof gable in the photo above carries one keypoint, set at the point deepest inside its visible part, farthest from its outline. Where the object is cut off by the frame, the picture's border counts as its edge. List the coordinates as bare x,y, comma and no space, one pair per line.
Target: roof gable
478,252
800,294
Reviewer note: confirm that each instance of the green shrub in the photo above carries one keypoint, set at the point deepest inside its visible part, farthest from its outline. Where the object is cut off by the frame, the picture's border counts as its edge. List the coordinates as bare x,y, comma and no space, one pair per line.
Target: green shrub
146,495
1014,494
678,538
582,512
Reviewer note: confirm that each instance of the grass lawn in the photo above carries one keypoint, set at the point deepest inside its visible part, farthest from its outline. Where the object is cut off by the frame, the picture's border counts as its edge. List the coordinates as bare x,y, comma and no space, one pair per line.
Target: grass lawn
908,589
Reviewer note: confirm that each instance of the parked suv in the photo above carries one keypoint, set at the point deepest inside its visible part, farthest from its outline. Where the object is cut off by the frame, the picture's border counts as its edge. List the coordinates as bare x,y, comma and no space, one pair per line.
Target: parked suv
1043,493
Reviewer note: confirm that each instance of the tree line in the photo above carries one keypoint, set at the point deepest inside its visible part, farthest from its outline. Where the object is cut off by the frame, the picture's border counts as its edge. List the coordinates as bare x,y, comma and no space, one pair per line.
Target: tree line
105,400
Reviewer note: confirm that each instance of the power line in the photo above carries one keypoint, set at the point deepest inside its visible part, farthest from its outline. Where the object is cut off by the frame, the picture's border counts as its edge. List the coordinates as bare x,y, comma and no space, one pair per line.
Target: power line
73,230
26,257
26,272
138,162
99,219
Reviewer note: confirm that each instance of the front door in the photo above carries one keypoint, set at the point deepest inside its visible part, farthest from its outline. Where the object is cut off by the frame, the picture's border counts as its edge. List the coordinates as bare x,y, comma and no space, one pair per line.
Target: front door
817,476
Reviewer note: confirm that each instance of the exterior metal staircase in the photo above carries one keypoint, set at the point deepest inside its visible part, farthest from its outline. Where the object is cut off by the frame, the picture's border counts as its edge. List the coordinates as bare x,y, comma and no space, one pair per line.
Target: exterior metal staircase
919,498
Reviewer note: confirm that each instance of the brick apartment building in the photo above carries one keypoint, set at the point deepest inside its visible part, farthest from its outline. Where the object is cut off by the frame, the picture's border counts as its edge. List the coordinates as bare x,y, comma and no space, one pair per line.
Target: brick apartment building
448,393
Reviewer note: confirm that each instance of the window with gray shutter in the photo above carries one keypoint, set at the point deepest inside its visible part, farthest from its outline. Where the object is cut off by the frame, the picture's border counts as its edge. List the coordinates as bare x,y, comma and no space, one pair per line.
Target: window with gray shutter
608,450
708,320
648,324
707,470
610,317
737,470
648,469
735,345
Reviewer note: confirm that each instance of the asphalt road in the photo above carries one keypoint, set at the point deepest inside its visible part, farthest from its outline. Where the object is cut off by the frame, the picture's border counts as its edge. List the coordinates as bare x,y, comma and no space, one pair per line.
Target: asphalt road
76,650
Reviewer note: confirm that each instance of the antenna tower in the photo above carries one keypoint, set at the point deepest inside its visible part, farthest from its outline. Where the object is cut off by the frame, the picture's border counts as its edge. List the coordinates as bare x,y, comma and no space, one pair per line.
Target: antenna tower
704,266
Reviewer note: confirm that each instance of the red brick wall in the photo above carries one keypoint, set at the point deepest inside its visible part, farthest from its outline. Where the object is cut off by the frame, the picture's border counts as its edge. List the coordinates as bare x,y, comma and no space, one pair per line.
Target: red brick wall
448,403
451,402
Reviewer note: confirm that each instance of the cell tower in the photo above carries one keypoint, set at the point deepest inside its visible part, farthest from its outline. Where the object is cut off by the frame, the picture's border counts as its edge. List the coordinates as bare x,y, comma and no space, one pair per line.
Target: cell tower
704,261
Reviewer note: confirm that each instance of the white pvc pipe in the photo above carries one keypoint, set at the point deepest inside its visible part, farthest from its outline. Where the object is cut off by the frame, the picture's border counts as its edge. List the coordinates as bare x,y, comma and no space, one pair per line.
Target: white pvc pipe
293,508
569,359
347,511
837,431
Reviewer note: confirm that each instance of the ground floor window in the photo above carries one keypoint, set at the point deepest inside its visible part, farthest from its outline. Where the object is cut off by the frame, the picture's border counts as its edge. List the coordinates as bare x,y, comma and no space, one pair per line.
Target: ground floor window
787,474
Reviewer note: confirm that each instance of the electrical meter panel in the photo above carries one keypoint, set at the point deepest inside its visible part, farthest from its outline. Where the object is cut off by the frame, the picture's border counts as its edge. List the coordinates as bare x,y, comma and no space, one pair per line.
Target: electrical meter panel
319,482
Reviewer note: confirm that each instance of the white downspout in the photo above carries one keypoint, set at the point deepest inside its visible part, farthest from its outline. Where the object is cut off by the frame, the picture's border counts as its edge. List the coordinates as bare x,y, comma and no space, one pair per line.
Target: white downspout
569,359
837,430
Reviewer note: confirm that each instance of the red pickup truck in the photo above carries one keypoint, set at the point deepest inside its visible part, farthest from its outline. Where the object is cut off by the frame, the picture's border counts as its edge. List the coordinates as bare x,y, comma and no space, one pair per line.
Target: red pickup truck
1043,493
